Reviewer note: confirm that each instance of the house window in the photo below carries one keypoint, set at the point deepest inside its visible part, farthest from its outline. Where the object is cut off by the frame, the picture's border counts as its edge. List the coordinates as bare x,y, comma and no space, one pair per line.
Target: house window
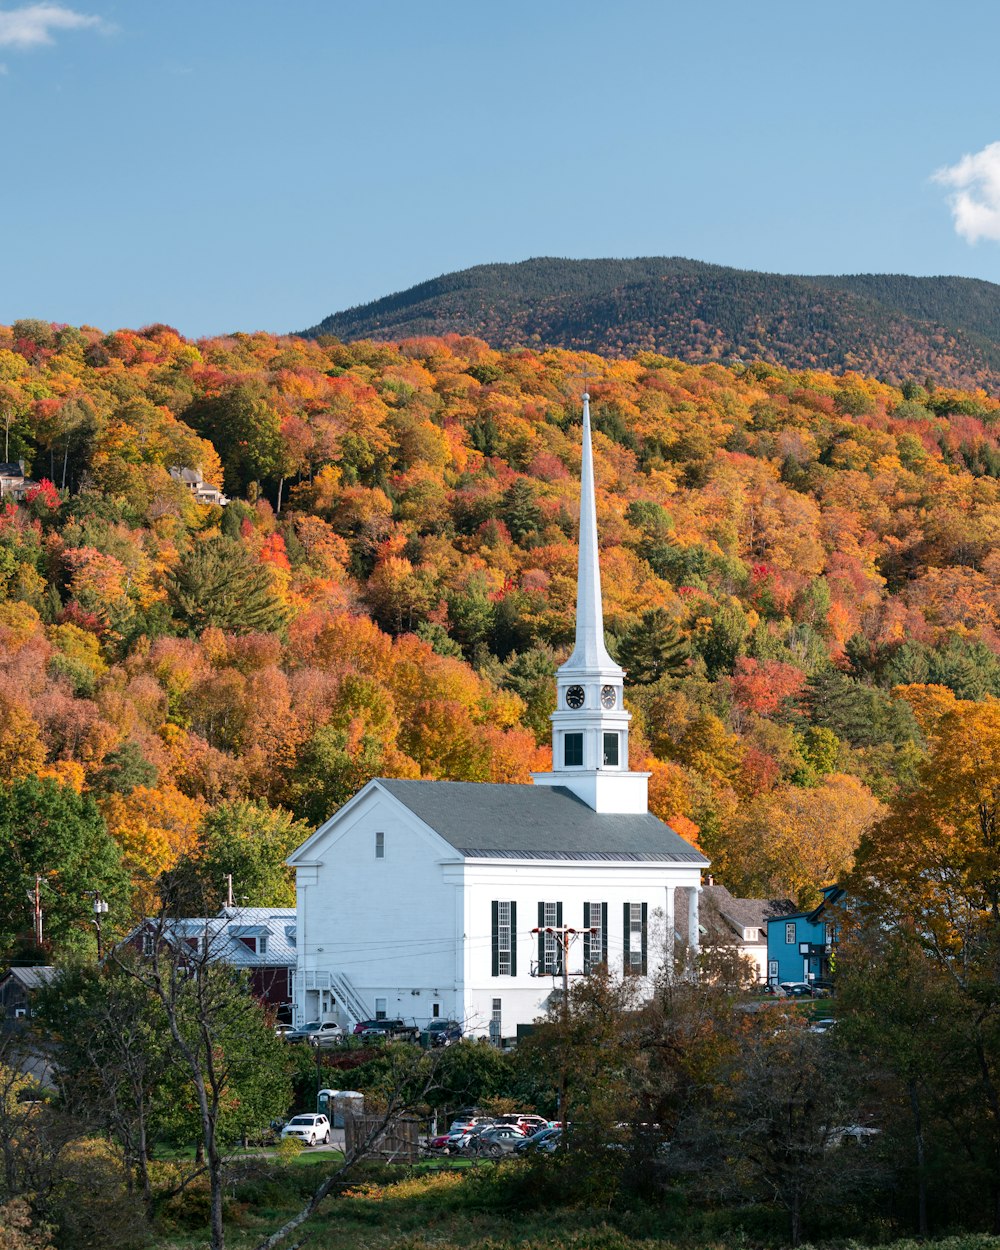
380,845
790,934
635,925
595,945
435,1010
380,1008
573,750
549,944
504,940
611,750
829,935
495,1018
262,945
148,945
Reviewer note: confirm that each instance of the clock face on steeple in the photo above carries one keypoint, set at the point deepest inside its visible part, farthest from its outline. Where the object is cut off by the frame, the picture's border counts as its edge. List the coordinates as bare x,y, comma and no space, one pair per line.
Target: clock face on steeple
575,697
609,697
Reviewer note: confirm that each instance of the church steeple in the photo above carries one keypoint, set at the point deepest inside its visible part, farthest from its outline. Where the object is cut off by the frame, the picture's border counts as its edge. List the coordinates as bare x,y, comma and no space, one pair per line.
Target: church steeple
590,651
590,724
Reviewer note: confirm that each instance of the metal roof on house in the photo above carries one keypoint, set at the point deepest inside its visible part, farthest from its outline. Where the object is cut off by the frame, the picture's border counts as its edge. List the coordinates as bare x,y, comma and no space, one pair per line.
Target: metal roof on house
490,821
225,931
32,978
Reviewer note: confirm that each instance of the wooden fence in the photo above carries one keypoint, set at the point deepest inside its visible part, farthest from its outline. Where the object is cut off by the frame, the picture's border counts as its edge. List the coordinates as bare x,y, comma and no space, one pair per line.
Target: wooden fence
396,1142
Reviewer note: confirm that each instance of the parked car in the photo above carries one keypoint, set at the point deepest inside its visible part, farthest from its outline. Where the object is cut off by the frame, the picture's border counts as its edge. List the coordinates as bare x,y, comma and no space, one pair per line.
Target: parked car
317,1033
311,1129
443,1032
391,1030
496,1140
546,1139
361,1025
822,1026
822,988
464,1129
797,989
283,1030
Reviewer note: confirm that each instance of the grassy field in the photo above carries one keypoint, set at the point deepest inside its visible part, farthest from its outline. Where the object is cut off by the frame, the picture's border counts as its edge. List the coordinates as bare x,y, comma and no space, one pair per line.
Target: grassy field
443,1208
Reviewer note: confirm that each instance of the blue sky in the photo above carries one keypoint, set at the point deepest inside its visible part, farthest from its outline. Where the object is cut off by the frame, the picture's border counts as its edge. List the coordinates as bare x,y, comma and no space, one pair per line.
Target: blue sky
223,165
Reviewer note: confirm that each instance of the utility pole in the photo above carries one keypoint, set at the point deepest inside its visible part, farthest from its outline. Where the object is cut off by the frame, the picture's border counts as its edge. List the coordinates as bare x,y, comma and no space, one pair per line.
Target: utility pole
229,889
100,909
566,935
38,909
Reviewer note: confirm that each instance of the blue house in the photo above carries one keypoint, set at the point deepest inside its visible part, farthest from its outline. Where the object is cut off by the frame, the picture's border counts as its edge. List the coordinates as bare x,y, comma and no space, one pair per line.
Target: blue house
800,946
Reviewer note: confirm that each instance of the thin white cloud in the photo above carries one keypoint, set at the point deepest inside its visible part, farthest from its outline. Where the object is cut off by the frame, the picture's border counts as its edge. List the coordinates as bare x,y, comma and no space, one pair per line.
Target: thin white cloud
975,193
33,25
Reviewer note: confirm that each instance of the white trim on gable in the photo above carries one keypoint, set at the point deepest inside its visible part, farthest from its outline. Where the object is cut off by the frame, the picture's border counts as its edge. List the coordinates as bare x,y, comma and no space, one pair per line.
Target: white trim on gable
345,818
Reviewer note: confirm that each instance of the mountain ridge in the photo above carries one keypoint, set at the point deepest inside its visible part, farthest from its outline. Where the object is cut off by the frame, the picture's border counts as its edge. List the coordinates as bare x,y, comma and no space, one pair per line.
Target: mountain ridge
893,326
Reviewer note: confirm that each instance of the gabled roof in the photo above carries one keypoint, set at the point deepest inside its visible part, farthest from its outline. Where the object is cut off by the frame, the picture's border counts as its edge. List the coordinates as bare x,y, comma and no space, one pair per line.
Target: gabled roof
31,978
490,821
225,931
832,895
743,913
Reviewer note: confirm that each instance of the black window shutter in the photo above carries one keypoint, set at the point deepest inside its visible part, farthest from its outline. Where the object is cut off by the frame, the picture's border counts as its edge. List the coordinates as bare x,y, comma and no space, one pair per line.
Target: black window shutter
513,939
586,938
541,939
559,939
645,922
604,933
626,922
496,937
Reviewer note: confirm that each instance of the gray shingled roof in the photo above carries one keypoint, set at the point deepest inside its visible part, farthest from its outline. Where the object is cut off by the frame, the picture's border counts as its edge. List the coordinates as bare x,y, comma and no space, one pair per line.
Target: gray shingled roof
481,820
742,913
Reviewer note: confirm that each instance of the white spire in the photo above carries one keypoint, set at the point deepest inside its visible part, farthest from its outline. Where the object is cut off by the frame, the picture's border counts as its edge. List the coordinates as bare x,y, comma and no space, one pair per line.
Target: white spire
590,651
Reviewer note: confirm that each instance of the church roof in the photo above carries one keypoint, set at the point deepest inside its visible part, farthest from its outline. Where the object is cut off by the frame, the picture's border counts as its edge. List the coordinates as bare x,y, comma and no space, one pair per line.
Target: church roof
489,821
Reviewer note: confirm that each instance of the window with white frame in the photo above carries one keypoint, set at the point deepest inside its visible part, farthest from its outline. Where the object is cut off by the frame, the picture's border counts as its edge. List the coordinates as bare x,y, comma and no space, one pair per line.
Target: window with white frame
380,1008
380,844
504,938
595,945
148,944
635,930
262,944
635,935
549,944
790,934
496,1016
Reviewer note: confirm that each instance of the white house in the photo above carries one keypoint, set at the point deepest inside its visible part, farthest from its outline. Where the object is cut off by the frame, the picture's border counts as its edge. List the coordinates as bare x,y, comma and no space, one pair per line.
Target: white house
741,922
424,899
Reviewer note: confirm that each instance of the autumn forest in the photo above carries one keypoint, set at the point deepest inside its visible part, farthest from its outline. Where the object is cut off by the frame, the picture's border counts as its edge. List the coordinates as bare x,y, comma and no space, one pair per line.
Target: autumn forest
801,575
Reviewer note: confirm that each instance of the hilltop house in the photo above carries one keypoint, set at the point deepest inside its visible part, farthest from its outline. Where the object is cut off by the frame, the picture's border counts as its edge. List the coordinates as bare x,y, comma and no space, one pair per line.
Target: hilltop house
425,899
800,946
13,482
199,488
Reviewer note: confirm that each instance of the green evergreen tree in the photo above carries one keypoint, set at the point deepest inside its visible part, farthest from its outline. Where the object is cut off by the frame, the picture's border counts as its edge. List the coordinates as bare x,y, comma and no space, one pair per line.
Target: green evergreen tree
653,647
220,583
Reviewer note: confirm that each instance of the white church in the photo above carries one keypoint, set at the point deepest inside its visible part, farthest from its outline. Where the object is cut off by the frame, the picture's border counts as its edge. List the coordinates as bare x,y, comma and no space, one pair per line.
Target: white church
431,899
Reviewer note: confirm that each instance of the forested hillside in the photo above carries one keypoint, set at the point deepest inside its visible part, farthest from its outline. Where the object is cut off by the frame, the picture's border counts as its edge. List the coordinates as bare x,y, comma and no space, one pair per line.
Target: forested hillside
888,326
796,567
